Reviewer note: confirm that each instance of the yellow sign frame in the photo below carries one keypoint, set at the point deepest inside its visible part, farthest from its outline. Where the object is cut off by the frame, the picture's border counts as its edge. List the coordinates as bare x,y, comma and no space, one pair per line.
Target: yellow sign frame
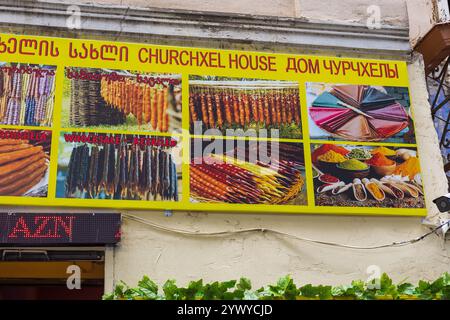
283,61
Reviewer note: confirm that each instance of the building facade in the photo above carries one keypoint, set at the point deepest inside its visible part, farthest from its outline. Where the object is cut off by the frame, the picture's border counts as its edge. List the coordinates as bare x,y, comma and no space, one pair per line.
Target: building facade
380,29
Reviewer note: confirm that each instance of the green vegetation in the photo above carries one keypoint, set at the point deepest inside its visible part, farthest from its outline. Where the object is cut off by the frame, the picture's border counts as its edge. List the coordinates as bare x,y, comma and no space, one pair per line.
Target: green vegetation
284,289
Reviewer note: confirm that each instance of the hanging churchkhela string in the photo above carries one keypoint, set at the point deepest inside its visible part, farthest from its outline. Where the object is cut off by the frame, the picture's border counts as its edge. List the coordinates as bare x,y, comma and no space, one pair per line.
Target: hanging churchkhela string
126,172
88,108
27,98
108,102
227,107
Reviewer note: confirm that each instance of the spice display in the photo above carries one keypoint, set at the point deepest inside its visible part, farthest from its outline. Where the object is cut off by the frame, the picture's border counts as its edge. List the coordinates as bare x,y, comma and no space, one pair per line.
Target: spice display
352,164
374,190
221,178
328,178
315,173
379,159
246,104
359,192
27,98
126,172
405,154
384,151
409,168
358,113
341,188
23,166
376,181
331,156
324,148
359,153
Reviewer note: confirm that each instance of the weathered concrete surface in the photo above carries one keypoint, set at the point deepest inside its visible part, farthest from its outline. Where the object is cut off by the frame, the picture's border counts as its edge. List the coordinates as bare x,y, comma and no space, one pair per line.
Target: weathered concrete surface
393,12
422,16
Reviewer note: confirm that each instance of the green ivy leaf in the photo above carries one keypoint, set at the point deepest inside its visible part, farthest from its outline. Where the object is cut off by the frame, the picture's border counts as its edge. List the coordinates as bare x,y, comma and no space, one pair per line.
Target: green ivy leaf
148,285
193,290
285,288
406,288
310,291
171,290
244,284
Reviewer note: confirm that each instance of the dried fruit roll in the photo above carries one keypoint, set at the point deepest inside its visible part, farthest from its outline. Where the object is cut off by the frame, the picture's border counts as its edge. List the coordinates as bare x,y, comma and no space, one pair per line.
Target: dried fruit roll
246,102
211,120
282,107
228,113
267,110
192,111
12,141
217,101
28,186
165,119
11,156
136,100
24,182
202,187
204,108
273,108
235,108
160,106
10,178
14,147
195,172
296,108
254,108
259,102
139,106
287,105
20,164
146,103
241,110
154,109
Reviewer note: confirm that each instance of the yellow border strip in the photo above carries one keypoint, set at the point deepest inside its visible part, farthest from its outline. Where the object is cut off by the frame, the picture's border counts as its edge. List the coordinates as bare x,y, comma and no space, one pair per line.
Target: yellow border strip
63,60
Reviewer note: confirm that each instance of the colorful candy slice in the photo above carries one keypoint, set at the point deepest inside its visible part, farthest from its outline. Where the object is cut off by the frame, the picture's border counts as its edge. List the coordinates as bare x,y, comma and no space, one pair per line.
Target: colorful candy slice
386,128
387,117
374,98
327,100
357,129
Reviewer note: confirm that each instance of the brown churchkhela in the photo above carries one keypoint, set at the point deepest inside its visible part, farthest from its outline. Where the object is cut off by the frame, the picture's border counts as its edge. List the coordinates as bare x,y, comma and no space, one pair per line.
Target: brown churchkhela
224,108
122,172
21,166
150,105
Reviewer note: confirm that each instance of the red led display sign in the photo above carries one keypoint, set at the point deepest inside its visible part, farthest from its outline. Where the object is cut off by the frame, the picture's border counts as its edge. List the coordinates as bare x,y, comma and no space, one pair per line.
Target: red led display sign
59,229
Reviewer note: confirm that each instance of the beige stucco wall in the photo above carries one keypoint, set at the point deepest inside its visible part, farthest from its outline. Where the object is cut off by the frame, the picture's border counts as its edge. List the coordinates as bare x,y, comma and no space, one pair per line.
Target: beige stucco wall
393,12
265,257
422,16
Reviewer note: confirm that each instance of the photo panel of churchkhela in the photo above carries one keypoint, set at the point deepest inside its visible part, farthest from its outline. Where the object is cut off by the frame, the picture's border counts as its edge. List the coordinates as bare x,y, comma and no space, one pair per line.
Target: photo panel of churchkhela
247,172
359,113
119,167
27,94
121,100
244,104
24,162
367,176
